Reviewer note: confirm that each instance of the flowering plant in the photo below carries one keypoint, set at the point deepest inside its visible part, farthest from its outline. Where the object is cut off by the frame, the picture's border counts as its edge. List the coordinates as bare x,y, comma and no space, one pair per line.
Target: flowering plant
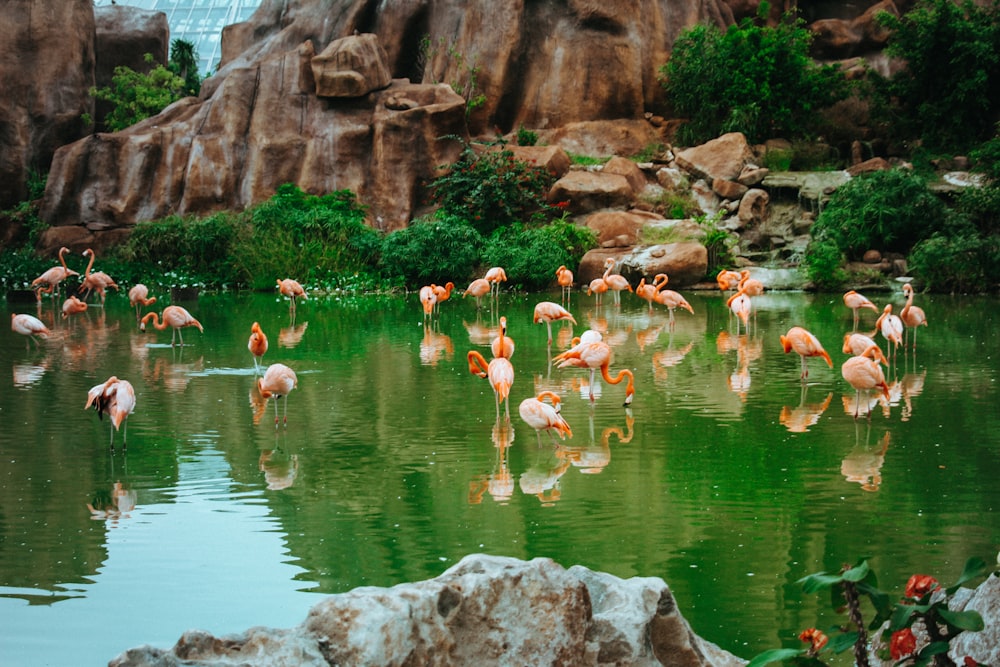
924,604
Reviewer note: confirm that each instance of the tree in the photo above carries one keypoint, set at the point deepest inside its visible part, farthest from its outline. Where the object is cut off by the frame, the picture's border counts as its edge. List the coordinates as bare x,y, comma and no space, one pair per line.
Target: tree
753,79
184,63
949,94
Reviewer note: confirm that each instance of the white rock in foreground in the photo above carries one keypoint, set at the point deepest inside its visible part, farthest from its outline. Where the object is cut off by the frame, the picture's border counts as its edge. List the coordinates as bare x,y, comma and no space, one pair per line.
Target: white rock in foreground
486,610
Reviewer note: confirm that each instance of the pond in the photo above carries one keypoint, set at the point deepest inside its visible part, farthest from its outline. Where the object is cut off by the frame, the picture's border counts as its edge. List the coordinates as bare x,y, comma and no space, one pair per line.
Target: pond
727,476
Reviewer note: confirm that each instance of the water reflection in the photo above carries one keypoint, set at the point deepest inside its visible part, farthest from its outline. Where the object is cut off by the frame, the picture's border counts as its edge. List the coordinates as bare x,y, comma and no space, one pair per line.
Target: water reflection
798,419
594,457
435,346
279,467
291,335
864,464
499,482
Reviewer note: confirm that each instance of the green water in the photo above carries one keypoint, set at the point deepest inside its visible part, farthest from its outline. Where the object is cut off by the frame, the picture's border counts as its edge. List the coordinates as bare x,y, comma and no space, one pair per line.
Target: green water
391,467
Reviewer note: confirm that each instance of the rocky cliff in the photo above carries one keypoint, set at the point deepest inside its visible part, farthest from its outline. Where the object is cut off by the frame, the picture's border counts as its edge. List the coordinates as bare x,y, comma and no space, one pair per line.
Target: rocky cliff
263,118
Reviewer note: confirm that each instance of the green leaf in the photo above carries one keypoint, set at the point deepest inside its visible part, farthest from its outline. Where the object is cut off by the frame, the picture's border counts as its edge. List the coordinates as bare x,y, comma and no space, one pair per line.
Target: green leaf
963,620
842,642
857,573
775,655
974,567
934,648
902,617
818,581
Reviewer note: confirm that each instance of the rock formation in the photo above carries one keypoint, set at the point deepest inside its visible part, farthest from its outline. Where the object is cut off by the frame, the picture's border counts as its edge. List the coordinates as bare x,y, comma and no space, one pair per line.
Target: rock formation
486,610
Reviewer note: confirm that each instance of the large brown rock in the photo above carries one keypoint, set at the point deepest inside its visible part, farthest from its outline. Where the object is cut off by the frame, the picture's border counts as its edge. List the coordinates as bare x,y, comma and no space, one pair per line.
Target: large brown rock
588,191
264,126
723,158
47,70
486,610
351,67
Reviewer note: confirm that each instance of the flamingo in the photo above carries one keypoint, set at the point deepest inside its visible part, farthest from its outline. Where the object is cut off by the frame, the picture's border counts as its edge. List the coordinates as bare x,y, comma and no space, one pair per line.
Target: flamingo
292,289
805,345
615,282
544,417
278,381
28,325
477,288
856,343
428,299
596,355
98,281
72,306
173,316
117,398
139,297
648,291
549,312
670,298
750,286
502,345
739,304
912,316
597,287
565,279
500,373
52,277
257,345
891,327
864,373
728,280
856,302
494,277
442,294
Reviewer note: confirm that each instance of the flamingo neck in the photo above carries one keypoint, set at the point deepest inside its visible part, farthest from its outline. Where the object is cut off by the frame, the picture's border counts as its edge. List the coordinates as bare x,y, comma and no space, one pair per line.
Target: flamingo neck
477,364
156,321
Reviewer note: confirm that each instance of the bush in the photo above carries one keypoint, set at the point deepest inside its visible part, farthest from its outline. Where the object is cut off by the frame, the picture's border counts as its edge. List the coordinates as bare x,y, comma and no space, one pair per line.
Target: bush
753,79
531,255
965,262
492,189
890,210
434,249
949,94
825,262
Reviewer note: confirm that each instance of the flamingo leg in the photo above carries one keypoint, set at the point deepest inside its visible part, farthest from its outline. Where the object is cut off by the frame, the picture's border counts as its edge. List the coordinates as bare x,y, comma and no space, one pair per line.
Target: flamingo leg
591,384
805,371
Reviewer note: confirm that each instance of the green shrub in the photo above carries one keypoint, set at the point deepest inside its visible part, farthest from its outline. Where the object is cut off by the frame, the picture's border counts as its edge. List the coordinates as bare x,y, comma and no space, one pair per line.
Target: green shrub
949,93
674,205
964,262
531,255
825,262
982,207
718,242
136,96
526,137
491,188
306,236
433,249
889,210
753,79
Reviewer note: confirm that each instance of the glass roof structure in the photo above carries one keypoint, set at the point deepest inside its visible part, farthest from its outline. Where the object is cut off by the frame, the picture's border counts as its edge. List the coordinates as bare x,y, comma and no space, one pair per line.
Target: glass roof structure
198,21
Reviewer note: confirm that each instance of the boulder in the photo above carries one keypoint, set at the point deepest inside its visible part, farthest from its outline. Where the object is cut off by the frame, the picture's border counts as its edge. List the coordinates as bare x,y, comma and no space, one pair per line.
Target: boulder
589,191
351,67
617,229
728,189
629,169
47,68
551,158
604,137
723,157
686,263
874,164
262,127
486,610
753,206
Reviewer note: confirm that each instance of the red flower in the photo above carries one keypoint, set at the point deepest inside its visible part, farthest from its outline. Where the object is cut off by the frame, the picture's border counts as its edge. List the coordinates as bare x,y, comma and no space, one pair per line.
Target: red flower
562,204
902,644
920,585
815,639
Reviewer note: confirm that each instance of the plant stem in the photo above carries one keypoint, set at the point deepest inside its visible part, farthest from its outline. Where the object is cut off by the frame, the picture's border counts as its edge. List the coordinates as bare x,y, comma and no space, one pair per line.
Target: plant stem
854,611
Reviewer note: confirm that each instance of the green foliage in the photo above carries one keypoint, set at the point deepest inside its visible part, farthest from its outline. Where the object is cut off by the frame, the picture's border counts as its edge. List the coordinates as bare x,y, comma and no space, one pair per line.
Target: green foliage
198,249
19,266
587,160
649,153
526,137
966,262
986,157
778,159
949,94
531,255
982,207
753,79
825,262
433,249
184,63
306,236
491,189
890,210
718,242
136,96
924,599
674,205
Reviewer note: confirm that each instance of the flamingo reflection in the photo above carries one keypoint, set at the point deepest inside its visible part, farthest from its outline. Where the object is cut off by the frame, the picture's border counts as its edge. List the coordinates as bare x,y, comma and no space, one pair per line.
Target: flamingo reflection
542,478
114,505
593,458
799,419
291,336
864,466
435,346
280,468
500,482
